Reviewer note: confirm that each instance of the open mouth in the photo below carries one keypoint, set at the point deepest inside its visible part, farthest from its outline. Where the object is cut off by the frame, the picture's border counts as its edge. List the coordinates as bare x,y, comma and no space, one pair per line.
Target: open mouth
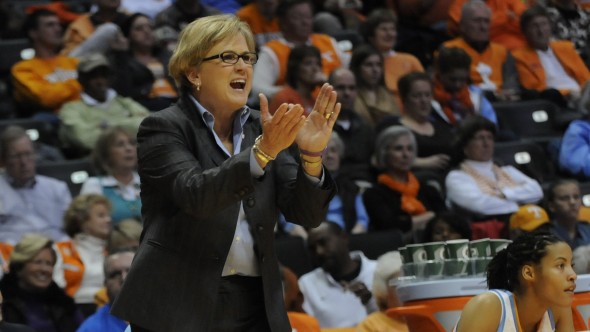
238,84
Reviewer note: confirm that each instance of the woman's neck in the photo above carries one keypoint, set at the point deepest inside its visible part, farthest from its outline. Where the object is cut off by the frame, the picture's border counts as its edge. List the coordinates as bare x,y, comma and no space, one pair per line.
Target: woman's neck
569,225
124,176
143,54
399,176
223,128
530,311
417,124
370,94
304,90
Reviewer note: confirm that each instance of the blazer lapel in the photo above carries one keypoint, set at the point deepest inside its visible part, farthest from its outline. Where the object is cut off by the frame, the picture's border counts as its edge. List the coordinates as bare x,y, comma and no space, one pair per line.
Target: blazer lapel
204,137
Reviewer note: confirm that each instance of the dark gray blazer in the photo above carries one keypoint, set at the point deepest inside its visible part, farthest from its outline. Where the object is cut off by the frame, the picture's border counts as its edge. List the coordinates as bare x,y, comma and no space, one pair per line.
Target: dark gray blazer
191,193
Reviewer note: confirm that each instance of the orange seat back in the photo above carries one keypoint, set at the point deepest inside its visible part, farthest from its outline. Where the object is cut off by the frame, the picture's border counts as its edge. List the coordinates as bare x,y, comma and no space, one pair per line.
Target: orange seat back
301,322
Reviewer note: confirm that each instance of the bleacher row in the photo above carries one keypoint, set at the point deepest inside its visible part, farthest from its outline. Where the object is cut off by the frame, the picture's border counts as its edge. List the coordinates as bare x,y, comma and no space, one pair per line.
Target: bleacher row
533,121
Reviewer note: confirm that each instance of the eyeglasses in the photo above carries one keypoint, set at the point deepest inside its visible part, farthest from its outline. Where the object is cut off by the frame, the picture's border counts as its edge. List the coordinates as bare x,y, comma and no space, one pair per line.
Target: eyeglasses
27,156
231,57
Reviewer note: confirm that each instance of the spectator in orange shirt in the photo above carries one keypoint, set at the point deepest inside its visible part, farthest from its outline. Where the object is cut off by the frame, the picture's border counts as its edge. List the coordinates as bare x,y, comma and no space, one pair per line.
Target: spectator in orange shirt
546,66
261,17
295,20
42,84
95,32
504,28
380,31
492,67
304,75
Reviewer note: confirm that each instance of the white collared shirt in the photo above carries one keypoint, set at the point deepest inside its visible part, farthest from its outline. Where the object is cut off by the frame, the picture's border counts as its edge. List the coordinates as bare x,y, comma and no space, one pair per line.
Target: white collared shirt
332,304
555,76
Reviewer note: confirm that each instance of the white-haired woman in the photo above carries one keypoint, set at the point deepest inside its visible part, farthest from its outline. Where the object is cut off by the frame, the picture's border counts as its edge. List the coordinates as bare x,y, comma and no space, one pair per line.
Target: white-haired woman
399,200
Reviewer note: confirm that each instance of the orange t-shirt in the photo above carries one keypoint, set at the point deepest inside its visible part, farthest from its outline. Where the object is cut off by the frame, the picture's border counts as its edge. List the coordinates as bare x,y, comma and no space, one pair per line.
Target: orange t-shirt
530,70
326,45
397,65
263,29
494,56
505,24
48,83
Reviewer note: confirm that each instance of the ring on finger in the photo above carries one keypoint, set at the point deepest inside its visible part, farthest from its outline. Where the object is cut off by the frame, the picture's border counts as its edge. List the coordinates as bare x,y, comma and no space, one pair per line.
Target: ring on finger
328,115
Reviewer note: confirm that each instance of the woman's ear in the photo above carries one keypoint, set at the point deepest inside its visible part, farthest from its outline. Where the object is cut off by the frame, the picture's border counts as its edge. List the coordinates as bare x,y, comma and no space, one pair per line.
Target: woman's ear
528,273
193,76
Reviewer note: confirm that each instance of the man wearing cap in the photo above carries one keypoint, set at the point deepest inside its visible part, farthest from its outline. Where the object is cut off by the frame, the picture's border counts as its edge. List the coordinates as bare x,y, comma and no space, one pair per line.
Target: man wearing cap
100,107
528,218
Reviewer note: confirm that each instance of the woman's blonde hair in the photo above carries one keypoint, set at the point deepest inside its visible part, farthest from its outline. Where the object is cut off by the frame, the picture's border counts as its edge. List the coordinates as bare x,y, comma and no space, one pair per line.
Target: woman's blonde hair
127,230
79,212
200,36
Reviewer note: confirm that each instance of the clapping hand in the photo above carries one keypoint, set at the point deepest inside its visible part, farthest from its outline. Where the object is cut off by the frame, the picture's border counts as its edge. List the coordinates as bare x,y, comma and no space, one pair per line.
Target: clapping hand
317,129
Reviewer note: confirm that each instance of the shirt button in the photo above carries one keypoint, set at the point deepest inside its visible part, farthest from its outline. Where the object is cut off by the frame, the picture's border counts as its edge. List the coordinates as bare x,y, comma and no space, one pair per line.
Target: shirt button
250,202
232,271
237,239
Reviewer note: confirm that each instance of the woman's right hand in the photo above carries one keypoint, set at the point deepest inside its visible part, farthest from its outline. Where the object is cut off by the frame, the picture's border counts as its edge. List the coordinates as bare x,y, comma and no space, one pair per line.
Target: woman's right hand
279,130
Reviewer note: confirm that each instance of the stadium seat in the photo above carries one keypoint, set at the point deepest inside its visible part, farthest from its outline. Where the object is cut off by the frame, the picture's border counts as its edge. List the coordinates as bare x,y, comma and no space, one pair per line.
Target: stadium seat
526,156
532,119
37,130
73,172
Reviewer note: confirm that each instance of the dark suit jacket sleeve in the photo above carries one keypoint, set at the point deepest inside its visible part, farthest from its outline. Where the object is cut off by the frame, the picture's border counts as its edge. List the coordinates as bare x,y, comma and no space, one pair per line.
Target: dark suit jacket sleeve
168,165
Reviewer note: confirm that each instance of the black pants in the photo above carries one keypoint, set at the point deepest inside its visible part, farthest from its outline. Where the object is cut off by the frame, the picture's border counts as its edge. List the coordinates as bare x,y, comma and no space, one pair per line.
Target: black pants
240,306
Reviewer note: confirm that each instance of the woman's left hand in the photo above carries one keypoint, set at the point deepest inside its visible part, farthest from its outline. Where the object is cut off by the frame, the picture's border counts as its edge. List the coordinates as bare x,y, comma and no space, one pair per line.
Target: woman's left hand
316,131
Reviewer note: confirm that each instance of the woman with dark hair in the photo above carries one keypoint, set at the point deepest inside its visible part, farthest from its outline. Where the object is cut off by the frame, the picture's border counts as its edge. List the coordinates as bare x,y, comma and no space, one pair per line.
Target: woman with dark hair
141,72
446,226
432,137
480,187
456,98
531,288
304,75
380,31
31,297
373,100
